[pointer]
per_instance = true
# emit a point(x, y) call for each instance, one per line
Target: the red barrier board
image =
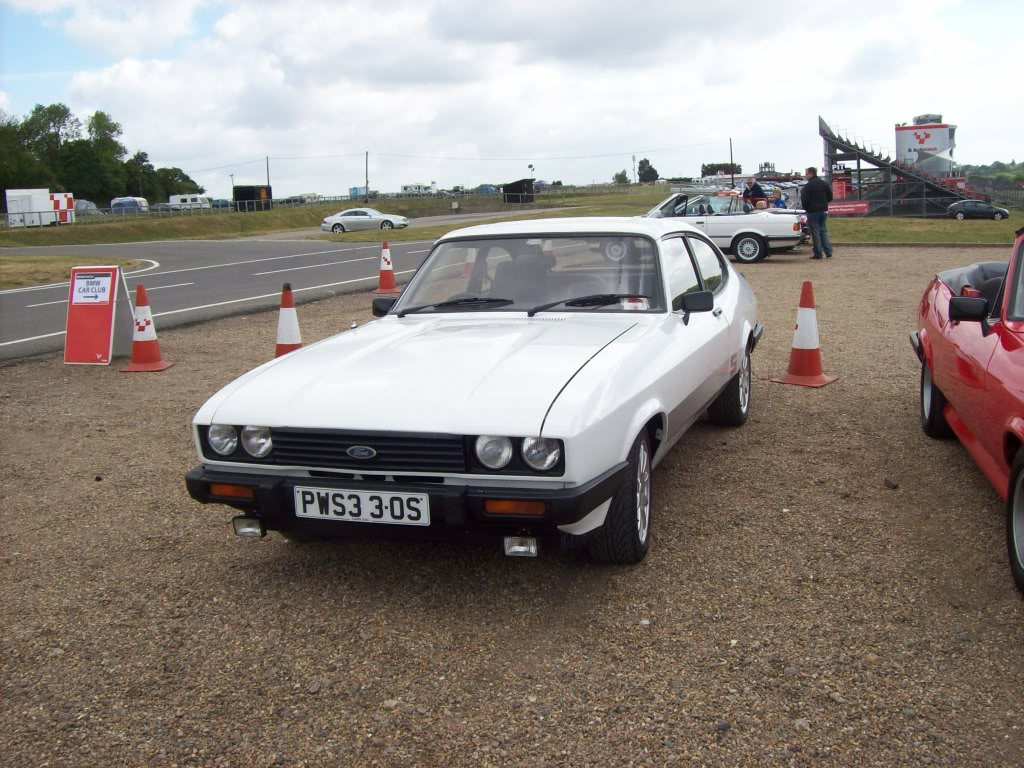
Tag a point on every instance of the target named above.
point(848, 208)
point(99, 312)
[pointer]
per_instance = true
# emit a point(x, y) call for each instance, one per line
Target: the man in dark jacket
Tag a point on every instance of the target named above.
point(814, 198)
point(754, 192)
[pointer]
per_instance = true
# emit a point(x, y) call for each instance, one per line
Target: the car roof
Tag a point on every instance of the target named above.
point(616, 225)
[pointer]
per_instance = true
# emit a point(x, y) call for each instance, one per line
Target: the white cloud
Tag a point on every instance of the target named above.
point(530, 79)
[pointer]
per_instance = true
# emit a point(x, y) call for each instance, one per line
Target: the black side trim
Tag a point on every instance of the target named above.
point(756, 335)
point(915, 342)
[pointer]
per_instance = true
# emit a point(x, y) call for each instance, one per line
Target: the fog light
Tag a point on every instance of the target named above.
point(248, 527)
point(520, 546)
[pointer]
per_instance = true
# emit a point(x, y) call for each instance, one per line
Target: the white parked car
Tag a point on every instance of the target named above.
point(523, 386)
point(734, 226)
point(362, 218)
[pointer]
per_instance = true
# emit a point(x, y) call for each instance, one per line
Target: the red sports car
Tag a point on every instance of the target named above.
point(970, 341)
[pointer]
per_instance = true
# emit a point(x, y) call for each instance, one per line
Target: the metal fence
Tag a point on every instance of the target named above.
point(435, 204)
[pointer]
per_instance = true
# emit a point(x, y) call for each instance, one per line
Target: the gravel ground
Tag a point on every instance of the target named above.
point(796, 608)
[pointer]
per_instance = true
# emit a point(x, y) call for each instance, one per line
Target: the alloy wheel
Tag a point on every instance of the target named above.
point(748, 249)
point(745, 382)
point(643, 492)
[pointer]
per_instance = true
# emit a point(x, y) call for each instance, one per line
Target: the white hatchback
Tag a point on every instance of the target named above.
point(524, 385)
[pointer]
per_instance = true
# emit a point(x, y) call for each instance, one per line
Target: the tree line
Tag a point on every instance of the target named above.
point(52, 148)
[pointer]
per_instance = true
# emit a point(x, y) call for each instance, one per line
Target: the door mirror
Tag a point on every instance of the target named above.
point(698, 301)
point(968, 308)
point(383, 304)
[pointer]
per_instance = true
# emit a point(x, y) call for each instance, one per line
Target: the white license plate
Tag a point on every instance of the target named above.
point(362, 506)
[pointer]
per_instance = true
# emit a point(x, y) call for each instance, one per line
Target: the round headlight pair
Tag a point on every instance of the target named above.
point(223, 438)
point(540, 453)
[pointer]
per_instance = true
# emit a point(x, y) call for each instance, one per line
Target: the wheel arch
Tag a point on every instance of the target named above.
point(650, 418)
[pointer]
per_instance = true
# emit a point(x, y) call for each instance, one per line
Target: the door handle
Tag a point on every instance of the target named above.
point(717, 312)
point(699, 222)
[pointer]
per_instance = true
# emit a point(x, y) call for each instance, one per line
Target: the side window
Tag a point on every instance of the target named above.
point(679, 272)
point(710, 266)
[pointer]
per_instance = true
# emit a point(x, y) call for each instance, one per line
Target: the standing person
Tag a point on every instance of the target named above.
point(754, 192)
point(815, 197)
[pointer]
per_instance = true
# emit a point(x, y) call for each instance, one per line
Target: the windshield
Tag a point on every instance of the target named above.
point(1017, 305)
point(700, 205)
point(528, 272)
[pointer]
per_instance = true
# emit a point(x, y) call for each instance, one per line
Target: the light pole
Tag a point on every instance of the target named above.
point(530, 166)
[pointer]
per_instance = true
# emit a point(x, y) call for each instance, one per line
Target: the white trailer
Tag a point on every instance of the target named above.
point(30, 208)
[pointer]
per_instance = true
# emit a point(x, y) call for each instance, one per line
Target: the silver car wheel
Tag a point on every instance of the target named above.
point(998, 217)
point(387, 225)
point(337, 229)
point(961, 215)
point(1017, 520)
point(643, 492)
point(745, 382)
point(748, 249)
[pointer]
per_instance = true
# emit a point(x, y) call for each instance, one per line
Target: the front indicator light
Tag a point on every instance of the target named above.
point(517, 508)
point(256, 441)
point(541, 453)
point(223, 438)
point(494, 452)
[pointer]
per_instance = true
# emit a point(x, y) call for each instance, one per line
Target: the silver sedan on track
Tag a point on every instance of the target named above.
point(362, 218)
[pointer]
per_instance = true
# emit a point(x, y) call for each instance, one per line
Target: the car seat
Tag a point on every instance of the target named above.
point(523, 279)
point(989, 291)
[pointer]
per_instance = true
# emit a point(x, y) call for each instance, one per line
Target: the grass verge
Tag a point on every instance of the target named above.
point(18, 271)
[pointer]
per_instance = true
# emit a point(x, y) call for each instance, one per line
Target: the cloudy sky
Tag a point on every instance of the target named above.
point(464, 92)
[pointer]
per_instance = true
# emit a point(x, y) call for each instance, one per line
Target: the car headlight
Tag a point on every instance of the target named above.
point(494, 452)
point(256, 441)
point(541, 453)
point(223, 438)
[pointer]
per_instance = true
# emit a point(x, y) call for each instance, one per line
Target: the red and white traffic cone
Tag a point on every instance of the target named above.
point(288, 337)
point(805, 356)
point(386, 279)
point(145, 347)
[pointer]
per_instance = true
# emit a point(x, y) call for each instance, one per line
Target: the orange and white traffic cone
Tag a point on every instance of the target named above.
point(805, 356)
point(145, 347)
point(386, 279)
point(288, 337)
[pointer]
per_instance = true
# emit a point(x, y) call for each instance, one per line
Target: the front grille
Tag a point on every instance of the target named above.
point(395, 452)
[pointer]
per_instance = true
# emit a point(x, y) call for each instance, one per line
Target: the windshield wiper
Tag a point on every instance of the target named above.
point(467, 301)
point(594, 300)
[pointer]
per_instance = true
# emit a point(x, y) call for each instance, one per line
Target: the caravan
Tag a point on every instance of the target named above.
point(186, 202)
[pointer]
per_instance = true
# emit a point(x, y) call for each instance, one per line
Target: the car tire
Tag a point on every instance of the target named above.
point(749, 248)
point(997, 216)
point(732, 406)
point(1015, 520)
point(933, 405)
point(625, 536)
point(338, 229)
point(386, 225)
point(960, 215)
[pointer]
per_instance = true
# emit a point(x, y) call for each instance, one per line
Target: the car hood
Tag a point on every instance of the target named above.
point(456, 374)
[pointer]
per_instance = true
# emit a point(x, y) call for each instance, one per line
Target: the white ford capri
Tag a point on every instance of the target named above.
point(523, 387)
